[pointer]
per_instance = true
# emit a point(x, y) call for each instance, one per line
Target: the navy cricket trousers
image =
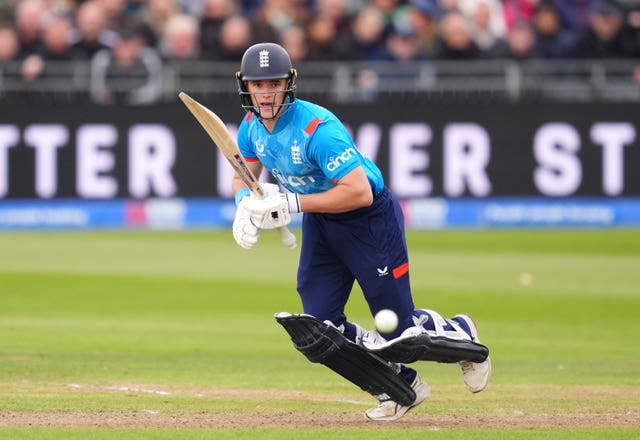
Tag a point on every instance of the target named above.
point(367, 245)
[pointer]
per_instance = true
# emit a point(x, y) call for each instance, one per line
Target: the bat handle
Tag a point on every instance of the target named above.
point(288, 239)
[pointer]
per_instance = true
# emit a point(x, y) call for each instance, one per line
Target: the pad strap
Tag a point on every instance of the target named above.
point(439, 324)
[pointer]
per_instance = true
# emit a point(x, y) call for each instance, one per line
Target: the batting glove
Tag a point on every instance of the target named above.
point(293, 200)
point(244, 231)
point(269, 213)
point(270, 189)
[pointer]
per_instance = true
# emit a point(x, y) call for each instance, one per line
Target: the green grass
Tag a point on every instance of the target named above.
point(182, 322)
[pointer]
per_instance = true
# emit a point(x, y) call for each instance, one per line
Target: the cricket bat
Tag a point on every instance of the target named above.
point(217, 131)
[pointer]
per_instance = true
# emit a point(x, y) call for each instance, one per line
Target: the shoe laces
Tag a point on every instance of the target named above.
point(388, 406)
point(466, 366)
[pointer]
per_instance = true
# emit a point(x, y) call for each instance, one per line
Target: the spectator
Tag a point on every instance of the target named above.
point(29, 17)
point(518, 11)
point(392, 11)
point(335, 12)
point(455, 38)
point(191, 7)
point(55, 67)
point(365, 38)
point(248, 7)
point(520, 44)
point(604, 38)
point(487, 24)
point(9, 45)
point(388, 7)
point(179, 41)
point(57, 39)
point(49, 64)
point(214, 14)
point(235, 38)
point(114, 11)
point(25, 70)
point(632, 29)
point(155, 16)
point(552, 40)
point(403, 45)
point(6, 12)
point(274, 16)
point(328, 23)
point(489, 19)
point(423, 18)
point(322, 33)
point(91, 34)
point(129, 73)
point(294, 41)
point(575, 14)
point(448, 6)
point(133, 8)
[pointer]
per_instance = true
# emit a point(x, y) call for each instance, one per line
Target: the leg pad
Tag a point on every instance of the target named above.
point(423, 346)
point(325, 344)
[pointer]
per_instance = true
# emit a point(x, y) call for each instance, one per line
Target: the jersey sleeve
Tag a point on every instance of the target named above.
point(333, 150)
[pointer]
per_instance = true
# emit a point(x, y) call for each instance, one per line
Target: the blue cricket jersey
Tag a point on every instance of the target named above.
point(309, 150)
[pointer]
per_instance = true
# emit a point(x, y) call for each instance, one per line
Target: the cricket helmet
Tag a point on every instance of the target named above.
point(265, 61)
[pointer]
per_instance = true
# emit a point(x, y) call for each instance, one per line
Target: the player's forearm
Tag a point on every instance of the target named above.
point(236, 184)
point(353, 191)
point(338, 199)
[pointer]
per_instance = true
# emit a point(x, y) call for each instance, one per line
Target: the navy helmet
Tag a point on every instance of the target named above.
point(265, 61)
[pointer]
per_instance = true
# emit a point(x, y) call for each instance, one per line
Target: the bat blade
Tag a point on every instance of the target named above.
point(217, 131)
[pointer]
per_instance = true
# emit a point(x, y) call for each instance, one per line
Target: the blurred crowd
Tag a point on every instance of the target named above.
point(130, 38)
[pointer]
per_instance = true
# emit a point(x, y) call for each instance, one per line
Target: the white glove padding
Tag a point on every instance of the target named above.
point(270, 189)
point(293, 199)
point(269, 213)
point(245, 232)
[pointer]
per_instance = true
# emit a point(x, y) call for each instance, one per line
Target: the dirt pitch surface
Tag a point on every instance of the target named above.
point(592, 413)
point(308, 420)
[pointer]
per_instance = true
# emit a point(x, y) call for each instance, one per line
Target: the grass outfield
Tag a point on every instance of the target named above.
point(171, 335)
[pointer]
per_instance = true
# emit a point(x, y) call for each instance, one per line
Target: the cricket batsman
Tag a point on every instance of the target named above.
point(352, 230)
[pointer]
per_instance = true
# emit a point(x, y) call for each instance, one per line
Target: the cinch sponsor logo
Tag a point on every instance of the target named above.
point(335, 162)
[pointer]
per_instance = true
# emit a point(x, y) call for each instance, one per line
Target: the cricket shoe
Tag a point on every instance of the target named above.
point(388, 410)
point(475, 375)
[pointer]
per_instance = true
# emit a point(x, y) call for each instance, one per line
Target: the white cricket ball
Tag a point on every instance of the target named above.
point(526, 279)
point(386, 321)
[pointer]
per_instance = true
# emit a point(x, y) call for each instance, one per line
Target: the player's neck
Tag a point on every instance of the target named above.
point(270, 124)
